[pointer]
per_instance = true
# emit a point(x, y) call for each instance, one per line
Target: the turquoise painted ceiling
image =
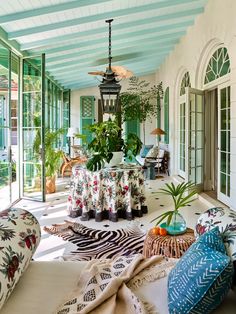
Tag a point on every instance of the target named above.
point(74, 35)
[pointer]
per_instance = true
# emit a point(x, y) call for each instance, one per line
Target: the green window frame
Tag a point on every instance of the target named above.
point(132, 126)
point(66, 118)
point(87, 115)
point(166, 115)
point(185, 83)
point(159, 115)
point(218, 66)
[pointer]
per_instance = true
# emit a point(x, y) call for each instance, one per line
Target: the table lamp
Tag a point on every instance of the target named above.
point(72, 131)
point(158, 132)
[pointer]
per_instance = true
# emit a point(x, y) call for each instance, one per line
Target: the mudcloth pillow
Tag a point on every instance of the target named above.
point(202, 277)
point(19, 238)
point(225, 220)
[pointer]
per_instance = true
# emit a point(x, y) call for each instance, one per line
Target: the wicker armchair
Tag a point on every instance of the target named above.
point(69, 162)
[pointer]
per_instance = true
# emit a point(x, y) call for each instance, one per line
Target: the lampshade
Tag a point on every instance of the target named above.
point(158, 131)
point(72, 131)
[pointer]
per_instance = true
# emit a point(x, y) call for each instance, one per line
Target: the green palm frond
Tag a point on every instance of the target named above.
point(182, 195)
point(162, 216)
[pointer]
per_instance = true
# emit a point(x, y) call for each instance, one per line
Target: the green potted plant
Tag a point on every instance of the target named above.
point(182, 195)
point(52, 156)
point(107, 140)
point(140, 101)
point(132, 146)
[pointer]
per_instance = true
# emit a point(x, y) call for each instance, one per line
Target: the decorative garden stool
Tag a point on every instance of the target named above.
point(169, 246)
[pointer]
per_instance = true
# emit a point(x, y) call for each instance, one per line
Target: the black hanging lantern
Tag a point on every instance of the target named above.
point(110, 87)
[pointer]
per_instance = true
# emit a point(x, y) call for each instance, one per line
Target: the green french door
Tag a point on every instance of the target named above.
point(9, 185)
point(5, 129)
point(33, 122)
point(195, 137)
point(223, 188)
point(132, 126)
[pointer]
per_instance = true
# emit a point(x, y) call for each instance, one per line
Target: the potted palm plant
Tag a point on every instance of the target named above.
point(182, 195)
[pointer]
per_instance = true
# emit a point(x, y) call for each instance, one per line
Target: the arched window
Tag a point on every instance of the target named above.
point(166, 115)
point(185, 83)
point(218, 66)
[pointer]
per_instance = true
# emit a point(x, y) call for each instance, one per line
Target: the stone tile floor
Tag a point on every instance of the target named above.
point(54, 211)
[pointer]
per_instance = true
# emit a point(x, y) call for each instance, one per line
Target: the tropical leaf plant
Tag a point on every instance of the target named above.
point(182, 195)
point(106, 140)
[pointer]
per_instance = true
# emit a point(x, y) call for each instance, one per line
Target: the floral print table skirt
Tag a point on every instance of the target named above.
point(107, 194)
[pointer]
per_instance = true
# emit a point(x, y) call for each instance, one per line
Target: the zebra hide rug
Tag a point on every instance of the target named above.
point(99, 244)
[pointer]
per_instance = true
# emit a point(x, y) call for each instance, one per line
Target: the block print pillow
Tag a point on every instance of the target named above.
point(19, 238)
point(201, 279)
point(153, 152)
point(225, 220)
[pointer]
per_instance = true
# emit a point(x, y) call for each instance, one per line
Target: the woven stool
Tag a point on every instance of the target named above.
point(169, 245)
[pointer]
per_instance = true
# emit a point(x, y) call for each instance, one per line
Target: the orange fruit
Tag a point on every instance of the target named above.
point(155, 230)
point(163, 232)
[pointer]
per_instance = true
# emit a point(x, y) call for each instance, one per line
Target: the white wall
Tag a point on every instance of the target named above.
point(215, 27)
point(94, 91)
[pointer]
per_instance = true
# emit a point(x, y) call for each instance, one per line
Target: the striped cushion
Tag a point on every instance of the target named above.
point(201, 278)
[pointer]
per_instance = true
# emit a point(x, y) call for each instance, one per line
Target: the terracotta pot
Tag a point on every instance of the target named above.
point(50, 185)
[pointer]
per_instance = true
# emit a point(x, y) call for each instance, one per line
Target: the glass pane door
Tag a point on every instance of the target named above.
point(66, 119)
point(182, 138)
point(195, 151)
point(5, 131)
point(33, 122)
point(9, 71)
point(223, 192)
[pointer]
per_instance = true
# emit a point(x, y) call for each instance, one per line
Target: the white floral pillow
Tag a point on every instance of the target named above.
point(19, 238)
point(225, 219)
point(153, 153)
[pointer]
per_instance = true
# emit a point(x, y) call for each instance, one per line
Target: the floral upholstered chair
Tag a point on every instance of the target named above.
point(225, 219)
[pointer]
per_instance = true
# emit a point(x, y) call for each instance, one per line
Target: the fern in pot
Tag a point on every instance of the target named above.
point(182, 195)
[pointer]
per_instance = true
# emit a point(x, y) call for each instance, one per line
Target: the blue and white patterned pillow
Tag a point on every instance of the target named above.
point(202, 277)
point(144, 150)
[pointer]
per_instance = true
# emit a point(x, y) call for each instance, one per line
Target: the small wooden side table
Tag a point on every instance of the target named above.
point(169, 245)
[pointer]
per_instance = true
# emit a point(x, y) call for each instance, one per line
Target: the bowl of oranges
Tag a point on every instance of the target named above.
point(157, 230)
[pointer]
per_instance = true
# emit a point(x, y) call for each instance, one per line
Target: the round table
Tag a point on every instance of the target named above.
point(169, 245)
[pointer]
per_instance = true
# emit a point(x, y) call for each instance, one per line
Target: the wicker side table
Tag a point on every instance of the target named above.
point(170, 246)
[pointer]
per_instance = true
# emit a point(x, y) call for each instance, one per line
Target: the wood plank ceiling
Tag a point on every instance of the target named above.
point(74, 35)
